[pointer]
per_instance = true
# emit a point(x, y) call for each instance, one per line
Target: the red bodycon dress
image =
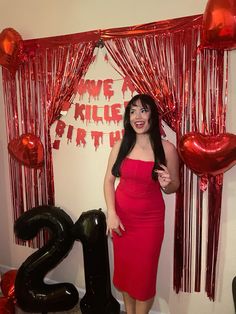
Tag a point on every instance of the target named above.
point(140, 206)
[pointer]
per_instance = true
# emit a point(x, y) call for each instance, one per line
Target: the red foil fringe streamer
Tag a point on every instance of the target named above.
point(33, 99)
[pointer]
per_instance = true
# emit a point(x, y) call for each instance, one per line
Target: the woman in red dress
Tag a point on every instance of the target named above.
point(146, 165)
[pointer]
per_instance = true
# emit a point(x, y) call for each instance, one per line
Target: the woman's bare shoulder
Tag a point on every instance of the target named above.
point(168, 146)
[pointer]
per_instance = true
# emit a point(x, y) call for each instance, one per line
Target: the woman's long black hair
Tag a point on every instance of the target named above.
point(129, 138)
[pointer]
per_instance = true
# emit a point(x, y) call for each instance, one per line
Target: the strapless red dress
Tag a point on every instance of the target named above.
point(140, 206)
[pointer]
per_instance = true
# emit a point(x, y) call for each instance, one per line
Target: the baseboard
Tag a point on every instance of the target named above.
point(4, 269)
point(81, 291)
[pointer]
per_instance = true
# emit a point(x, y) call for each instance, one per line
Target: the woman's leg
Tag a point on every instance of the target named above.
point(129, 303)
point(143, 307)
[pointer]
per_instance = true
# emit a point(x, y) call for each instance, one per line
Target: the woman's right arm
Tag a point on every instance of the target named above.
point(113, 221)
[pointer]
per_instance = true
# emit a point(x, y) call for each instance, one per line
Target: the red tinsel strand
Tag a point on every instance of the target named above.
point(215, 189)
point(198, 248)
point(190, 244)
point(214, 199)
point(186, 233)
point(179, 237)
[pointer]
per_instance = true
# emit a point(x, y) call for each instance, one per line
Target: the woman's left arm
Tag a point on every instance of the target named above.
point(169, 176)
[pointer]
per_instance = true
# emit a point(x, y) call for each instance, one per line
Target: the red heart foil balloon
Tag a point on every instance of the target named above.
point(8, 283)
point(219, 24)
point(208, 154)
point(28, 150)
point(10, 49)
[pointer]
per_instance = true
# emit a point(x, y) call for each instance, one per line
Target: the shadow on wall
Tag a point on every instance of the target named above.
point(234, 292)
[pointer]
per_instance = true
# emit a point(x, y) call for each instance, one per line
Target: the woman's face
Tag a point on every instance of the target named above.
point(140, 117)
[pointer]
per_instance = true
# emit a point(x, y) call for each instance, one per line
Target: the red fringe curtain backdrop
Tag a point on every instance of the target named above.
point(33, 100)
point(190, 86)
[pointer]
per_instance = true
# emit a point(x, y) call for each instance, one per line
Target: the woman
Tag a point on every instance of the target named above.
point(145, 164)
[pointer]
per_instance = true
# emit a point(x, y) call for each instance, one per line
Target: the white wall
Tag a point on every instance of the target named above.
point(79, 172)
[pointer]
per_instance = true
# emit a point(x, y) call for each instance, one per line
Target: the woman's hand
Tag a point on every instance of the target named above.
point(163, 176)
point(114, 224)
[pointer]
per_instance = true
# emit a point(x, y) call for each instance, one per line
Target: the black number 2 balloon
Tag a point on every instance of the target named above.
point(32, 294)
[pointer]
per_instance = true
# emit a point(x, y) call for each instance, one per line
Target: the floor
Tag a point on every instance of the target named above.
point(74, 310)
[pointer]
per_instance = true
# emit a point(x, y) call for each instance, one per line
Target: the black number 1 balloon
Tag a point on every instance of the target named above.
point(32, 294)
point(90, 229)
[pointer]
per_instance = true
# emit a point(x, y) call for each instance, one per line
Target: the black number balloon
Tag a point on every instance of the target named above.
point(31, 293)
point(90, 229)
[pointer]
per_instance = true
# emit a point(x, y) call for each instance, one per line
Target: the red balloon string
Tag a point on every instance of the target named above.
point(179, 236)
